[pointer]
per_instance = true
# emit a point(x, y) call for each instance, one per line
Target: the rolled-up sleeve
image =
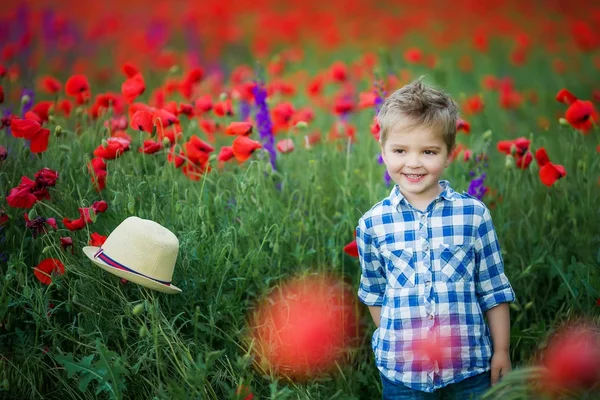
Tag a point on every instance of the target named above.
point(491, 284)
point(372, 280)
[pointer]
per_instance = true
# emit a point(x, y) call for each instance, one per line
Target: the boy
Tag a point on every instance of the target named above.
point(431, 263)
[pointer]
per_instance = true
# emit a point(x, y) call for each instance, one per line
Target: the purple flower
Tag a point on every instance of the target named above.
point(263, 120)
point(477, 187)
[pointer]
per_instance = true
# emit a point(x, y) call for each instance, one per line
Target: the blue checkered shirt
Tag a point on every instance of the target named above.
point(434, 273)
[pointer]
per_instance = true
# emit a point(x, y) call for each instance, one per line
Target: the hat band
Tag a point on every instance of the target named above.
point(102, 255)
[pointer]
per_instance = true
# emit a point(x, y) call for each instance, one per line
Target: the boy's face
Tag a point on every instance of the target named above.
point(415, 159)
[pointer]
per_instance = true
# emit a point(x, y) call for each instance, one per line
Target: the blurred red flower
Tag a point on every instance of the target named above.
point(305, 326)
point(46, 268)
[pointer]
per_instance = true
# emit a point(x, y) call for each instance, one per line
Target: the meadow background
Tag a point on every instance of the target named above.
point(246, 227)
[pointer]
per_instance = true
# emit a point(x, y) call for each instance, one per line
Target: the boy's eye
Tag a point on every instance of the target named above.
point(429, 152)
point(398, 151)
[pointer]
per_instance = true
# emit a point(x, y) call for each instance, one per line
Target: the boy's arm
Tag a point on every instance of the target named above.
point(376, 314)
point(499, 322)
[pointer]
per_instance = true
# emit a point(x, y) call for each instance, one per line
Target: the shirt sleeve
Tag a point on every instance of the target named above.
point(372, 280)
point(491, 284)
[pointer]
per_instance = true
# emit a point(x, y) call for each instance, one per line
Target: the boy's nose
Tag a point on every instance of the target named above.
point(413, 162)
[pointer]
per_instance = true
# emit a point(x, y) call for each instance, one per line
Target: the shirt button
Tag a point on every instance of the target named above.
point(427, 283)
point(430, 316)
point(423, 217)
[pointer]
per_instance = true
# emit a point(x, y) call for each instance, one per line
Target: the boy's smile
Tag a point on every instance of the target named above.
point(415, 159)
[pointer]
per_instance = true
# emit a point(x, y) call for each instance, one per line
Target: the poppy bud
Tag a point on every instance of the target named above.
point(513, 149)
point(143, 331)
point(58, 130)
point(529, 305)
point(25, 99)
point(563, 121)
point(5, 384)
point(46, 249)
point(223, 96)
point(487, 134)
point(173, 70)
point(581, 165)
point(51, 118)
point(104, 143)
point(301, 125)
point(138, 309)
point(509, 162)
point(515, 306)
point(166, 142)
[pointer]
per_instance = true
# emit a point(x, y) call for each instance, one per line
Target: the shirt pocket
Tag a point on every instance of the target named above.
point(457, 263)
point(400, 269)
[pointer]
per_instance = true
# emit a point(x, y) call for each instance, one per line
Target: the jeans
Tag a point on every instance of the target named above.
point(470, 388)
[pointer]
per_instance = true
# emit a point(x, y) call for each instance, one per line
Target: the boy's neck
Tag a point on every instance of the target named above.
point(421, 203)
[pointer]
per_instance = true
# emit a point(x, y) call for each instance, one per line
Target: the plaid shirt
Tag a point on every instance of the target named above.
point(434, 274)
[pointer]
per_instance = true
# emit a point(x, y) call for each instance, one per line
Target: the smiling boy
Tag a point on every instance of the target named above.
point(431, 263)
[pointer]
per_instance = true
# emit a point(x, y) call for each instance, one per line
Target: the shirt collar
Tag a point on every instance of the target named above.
point(396, 196)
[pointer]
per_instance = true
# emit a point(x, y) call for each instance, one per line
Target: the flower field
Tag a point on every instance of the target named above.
point(248, 130)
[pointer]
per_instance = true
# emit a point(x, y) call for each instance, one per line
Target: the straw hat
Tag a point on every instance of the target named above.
point(140, 251)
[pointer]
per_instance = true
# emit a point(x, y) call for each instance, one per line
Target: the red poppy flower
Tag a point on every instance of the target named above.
point(285, 146)
point(541, 157)
point(142, 121)
point(46, 268)
point(99, 206)
point(130, 70)
point(566, 97)
point(165, 117)
point(150, 147)
point(282, 113)
point(224, 108)
point(50, 85)
point(22, 196)
point(366, 100)
point(204, 104)
point(351, 249)
point(517, 146)
point(413, 56)
point(114, 147)
point(77, 85)
point(198, 151)
point(133, 87)
point(473, 105)
point(343, 105)
point(96, 239)
point(225, 154)
point(176, 159)
point(580, 115)
point(42, 109)
point(463, 126)
point(239, 128)
point(46, 177)
point(571, 360)
point(375, 128)
point(243, 147)
point(66, 242)
point(65, 107)
point(32, 131)
point(338, 72)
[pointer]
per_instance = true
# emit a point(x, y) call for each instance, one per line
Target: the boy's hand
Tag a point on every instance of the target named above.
point(500, 365)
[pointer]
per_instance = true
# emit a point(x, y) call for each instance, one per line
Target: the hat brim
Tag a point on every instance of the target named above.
point(130, 276)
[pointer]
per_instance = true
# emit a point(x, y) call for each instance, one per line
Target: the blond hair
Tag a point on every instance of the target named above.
point(420, 105)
